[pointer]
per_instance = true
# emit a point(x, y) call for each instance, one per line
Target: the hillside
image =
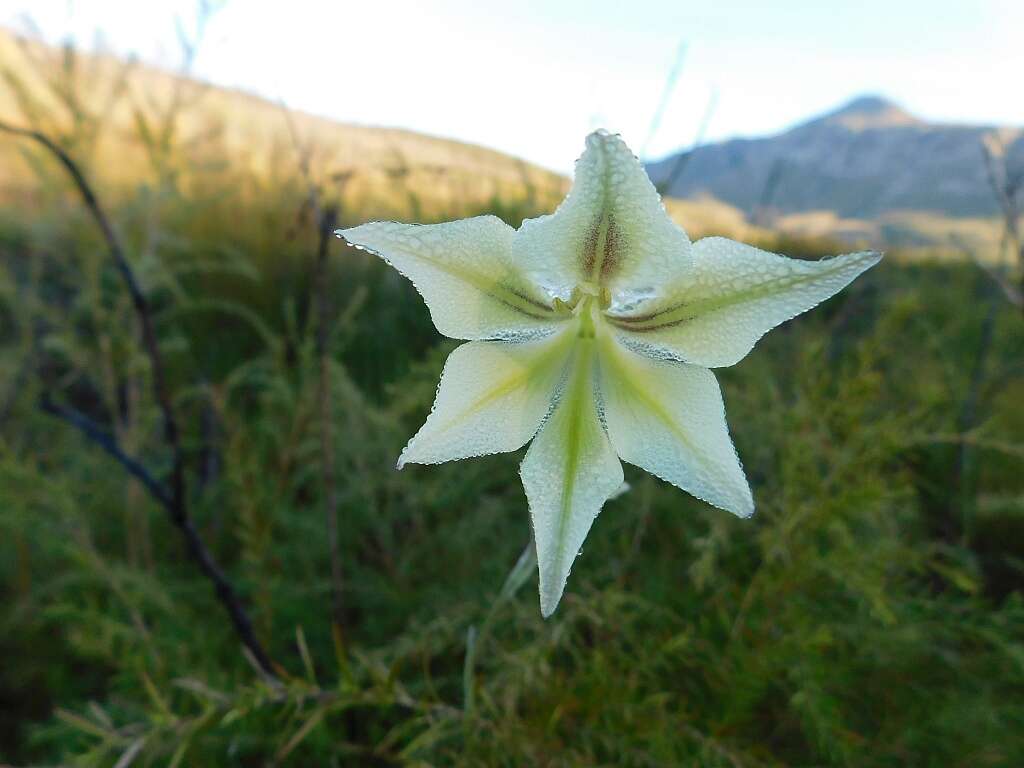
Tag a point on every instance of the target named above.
point(381, 169)
point(378, 172)
point(861, 161)
point(867, 173)
point(867, 170)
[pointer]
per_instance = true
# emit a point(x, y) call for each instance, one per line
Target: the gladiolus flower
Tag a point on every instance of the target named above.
point(592, 332)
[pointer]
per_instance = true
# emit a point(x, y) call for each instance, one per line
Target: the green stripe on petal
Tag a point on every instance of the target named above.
point(568, 473)
point(611, 230)
point(713, 314)
point(465, 273)
point(492, 397)
point(669, 419)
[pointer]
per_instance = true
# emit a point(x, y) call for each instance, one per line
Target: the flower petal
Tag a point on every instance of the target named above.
point(668, 418)
point(465, 273)
point(714, 314)
point(611, 230)
point(568, 473)
point(492, 397)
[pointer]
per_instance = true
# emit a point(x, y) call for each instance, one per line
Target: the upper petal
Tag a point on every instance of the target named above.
point(735, 293)
point(668, 418)
point(465, 273)
point(491, 399)
point(611, 229)
point(568, 473)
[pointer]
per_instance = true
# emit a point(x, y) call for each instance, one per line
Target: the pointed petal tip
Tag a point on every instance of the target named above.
point(356, 236)
point(346, 235)
point(737, 503)
point(604, 136)
point(872, 256)
point(744, 507)
point(865, 260)
point(403, 457)
point(860, 261)
point(550, 594)
point(409, 455)
point(548, 605)
point(620, 491)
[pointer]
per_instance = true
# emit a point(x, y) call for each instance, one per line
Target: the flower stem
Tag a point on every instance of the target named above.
point(525, 565)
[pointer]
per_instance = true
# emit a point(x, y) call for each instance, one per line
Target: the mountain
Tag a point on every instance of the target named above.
point(376, 172)
point(869, 172)
point(863, 161)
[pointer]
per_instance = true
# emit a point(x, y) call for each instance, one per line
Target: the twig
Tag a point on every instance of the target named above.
point(176, 502)
point(761, 214)
point(966, 422)
point(1014, 295)
point(328, 220)
point(683, 158)
point(525, 565)
point(666, 95)
point(197, 549)
point(105, 440)
point(1006, 186)
point(139, 301)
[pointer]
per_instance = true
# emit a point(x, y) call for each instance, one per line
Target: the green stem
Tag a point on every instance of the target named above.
point(525, 565)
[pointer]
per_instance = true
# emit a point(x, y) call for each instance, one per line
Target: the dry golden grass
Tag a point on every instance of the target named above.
point(916, 233)
point(378, 172)
point(111, 113)
point(125, 104)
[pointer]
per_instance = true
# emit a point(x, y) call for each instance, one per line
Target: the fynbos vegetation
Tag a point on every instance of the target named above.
point(190, 368)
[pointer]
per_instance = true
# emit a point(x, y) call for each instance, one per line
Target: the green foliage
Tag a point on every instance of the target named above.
point(869, 614)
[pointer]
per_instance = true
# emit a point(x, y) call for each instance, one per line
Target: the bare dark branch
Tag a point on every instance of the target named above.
point(176, 502)
point(326, 218)
point(105, 440)
point(139, 301)
point(328, 221)
point(1010, 291)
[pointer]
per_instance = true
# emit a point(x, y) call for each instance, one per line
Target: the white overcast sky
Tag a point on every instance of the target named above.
point(531, 77)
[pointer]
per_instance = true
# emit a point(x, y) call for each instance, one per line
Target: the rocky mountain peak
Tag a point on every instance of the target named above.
point(870, 111)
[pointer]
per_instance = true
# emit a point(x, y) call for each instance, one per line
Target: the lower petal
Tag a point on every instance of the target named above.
point(491, 399)
point(569, 472)
point(668, 418)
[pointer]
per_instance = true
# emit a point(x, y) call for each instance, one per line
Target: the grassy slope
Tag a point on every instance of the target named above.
point(251, 132)
point(378, 172)
point(438, 177)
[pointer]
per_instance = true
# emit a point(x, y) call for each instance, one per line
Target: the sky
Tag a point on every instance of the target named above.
point(532, 77)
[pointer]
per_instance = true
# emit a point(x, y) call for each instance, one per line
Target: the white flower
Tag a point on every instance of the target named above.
point(591, 331)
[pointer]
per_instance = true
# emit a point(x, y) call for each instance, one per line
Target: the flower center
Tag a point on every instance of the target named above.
point(582, 293)
point(587, 302)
